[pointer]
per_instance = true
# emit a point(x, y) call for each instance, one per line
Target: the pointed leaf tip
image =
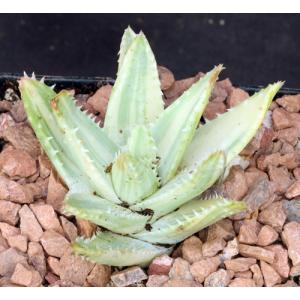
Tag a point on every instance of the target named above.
point(239, 125)
point(179, 122)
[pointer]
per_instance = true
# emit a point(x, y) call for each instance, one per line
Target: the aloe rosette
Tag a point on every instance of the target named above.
point(140, 176)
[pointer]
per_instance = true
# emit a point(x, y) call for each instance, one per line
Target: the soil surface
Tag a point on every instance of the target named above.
point(260, 247)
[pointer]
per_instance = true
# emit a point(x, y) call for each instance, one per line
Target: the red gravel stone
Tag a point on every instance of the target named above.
point(166, 78)
point(74, 269)
point(180, 270)
point(290, 236)
point(231, 250)
point(29, 224)
point(290, 103)
point(219, 278)
point(9, 259)
point(281, 119)
point(26, 276)
point(192, 249)
point(212, 247)
point(293, 190)
point(236, 96)
point(46, 217)
point(248, 232)
point(239, 264)
point(267, 236)
point(128, 276)
point(244, 274)
point(160, 265)
point(100, 99)
point(85, 228)
point(257, 252)
point(36, 257)
point(281, 263)
point(236, 184)
point(271, 277)
point(54, 265)
point(99, 276)
point(17, 163)
point(18, 242)
point(257, 275)
point(181, 283)
point(242, 282)
point(201, 269)
point(54, 243)
point(221, 230)
point(281, 177)
point(8, 230)
point(273, 216)
point(156, 280)
point(15, 192)
point(69, 228)
point(22, 137)
point(9, 212)
point(213, 109)
point(56, 192)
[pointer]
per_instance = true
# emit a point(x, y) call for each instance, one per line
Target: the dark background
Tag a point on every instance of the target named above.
point(255, 48)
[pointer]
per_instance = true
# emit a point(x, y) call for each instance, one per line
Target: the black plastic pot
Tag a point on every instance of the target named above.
point(86, 85)
point(83, 85)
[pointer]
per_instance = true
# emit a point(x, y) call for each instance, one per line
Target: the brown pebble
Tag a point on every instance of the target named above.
point(267, 236)
point(290, 237)
point(29, 224)
point(212, 247)
point(17, 163)
point(26, 276)
point(293, 190)
point(160, 265)
point(54, 243)
point(242, 282)
point(99, 276)
point(257, 275)
point(9, 212)
point(156, 280)
point(201, 269)
point(239, 264)
point(273, 216)
point(128, 276)
point(18, 242)
point(74, 269)
point(236, 96)
point(271, 277)
point(166, 78)
point(256, 252)
point(180, 270)
point(219, 278)
point(290, 102)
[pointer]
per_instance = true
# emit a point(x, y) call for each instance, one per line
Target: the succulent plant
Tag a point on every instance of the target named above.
point(140, 176)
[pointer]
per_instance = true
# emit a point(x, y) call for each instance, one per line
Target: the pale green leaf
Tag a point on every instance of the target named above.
point(176, 126)
point(232, 131)
point(142, 145)
point(127, 39)
point(117, 250)
point(133, 178)
point(188, 184)
point(104, 213)
point(136, 98)
point(189, 219)
point(54, 111)
point(35, 95)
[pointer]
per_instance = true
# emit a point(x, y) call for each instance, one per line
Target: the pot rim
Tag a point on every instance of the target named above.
point(98, 81)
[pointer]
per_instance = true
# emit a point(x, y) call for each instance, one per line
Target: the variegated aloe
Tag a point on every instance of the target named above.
point(139, 176)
